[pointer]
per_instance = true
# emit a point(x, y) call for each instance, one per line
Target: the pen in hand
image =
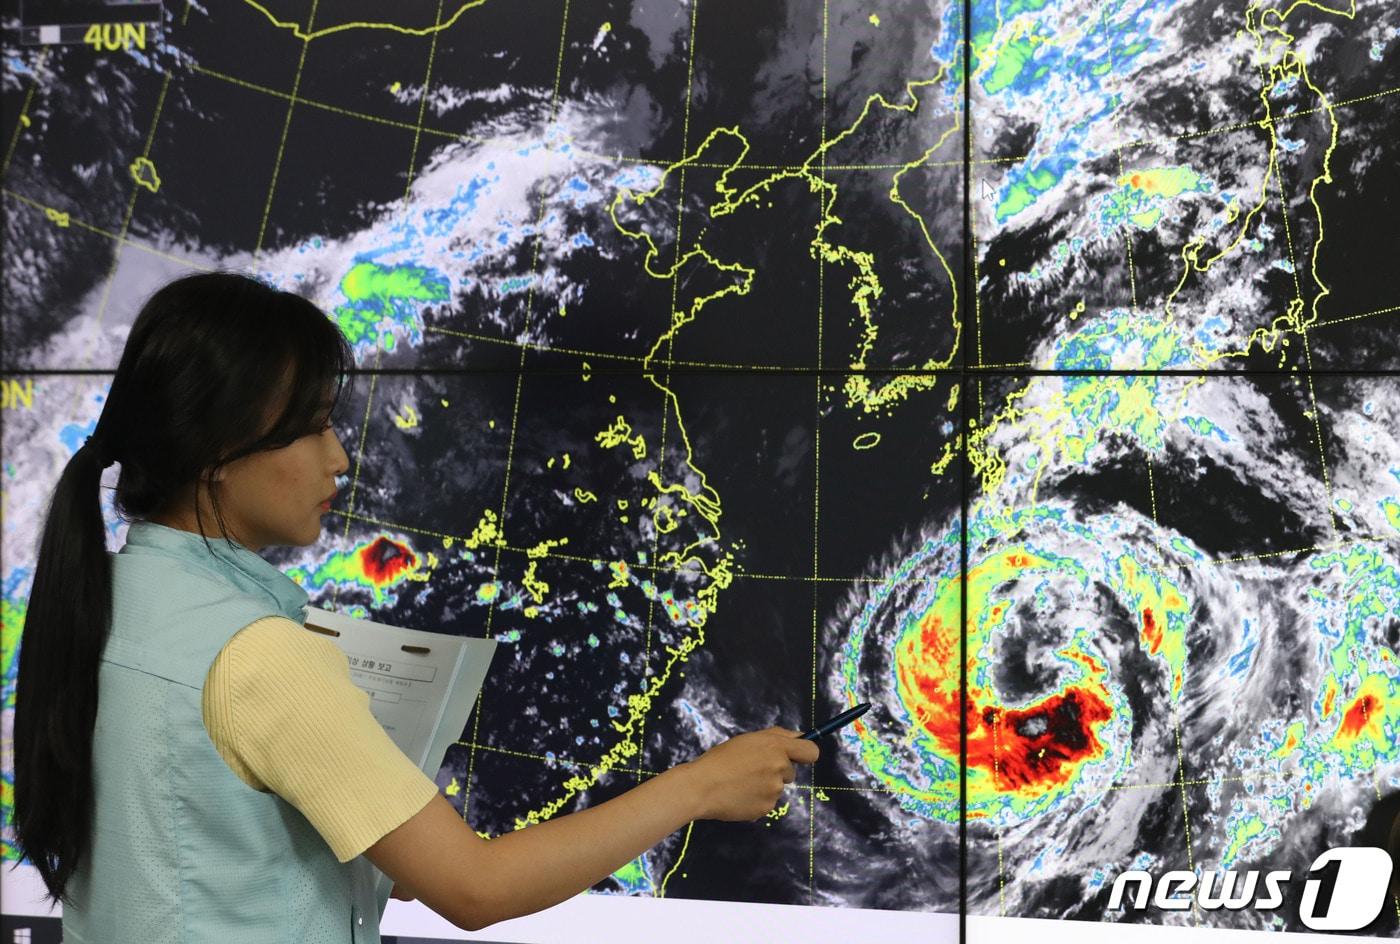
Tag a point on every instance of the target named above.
point(840, 721)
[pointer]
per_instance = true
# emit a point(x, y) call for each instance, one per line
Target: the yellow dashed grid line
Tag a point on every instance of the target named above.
point(766, 167)
point(136, 189)
point(1185, 804)
point(1369, 314)
point(666, 399)
point(1118, 153)
point(515, 406)
point(1307, 348)
point(22, 121)
point(1180, 783)
point(282, 143)
point(1317, 548)
point(1152, 489)
point(52, 212)
point(792, 578)
point(378, 351)
point(817, 463)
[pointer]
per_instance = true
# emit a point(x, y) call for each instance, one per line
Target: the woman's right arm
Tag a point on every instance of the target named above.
point(472, 882)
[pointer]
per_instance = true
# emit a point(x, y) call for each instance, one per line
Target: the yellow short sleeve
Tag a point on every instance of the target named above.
point(283, 713)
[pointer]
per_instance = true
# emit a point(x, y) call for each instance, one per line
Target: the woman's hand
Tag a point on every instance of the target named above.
point(474, 883)
point(742, 778)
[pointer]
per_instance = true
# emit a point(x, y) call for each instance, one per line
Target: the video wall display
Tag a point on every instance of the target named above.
point(1027, 368)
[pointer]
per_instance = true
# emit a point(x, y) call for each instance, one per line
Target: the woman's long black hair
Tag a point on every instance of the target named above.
point(209, 360)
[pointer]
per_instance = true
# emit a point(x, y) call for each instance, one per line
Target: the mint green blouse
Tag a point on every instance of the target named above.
point(183, 851)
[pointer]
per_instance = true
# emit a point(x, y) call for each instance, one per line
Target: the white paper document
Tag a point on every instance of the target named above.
point(422, 686)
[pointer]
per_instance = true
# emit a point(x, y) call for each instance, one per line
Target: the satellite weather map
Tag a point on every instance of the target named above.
point(1027, 368)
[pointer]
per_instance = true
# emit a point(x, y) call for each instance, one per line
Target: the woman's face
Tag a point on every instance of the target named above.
point(278, 496)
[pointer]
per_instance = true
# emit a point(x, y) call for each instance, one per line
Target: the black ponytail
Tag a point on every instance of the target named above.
point(71, 602)
point(209, 360)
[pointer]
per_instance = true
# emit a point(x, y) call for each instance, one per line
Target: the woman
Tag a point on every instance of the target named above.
point(191, 765)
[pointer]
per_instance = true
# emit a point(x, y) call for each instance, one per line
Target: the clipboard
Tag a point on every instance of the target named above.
point(422, 687)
